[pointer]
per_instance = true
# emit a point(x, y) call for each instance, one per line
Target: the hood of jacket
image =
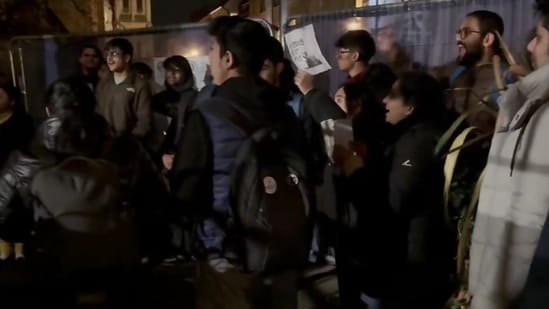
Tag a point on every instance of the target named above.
point(523, 98)
point(187, 85)
point(520, 102)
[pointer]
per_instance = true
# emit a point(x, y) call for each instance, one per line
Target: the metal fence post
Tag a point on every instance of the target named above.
point(284, 6)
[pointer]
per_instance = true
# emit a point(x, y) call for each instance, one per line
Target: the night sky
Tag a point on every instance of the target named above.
point(171, 12)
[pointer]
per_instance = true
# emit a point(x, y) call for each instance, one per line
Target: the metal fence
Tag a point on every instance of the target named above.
point(422, 30)
point(37, 61)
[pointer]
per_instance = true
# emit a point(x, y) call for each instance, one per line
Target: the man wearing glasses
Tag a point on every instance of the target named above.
point(474, 79)
point(123, 99)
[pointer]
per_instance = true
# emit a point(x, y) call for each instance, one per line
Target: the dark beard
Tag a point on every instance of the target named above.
point(471, 57)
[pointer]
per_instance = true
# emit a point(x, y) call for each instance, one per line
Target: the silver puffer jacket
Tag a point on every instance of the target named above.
point(44, 151)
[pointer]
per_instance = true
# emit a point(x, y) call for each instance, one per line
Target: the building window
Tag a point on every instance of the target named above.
point(125, 6)
point(140, 6)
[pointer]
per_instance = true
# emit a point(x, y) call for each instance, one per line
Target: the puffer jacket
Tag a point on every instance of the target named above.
point(142, 184)
point(415, 196)
point(44, 151)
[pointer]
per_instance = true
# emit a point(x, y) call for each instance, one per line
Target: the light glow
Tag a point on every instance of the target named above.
point(355, 23)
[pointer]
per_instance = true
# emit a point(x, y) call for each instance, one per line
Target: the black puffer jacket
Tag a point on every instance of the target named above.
point(416, 183)
point(47, 150)
point(91, 137)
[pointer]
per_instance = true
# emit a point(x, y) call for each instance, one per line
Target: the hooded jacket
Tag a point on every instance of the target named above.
point(209, 146)
point(169, 110)
point(513, 203)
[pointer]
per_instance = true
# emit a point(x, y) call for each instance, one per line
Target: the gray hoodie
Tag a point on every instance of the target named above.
point(514, 199)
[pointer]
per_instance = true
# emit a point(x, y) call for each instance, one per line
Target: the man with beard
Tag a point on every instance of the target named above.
point(477, 42)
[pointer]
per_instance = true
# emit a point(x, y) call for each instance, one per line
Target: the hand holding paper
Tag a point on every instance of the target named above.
point(304, 81)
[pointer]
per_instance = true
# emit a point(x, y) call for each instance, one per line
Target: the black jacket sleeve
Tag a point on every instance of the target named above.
point(318, 107)
point(168, 146)
point(321, 107)
point(191, 179)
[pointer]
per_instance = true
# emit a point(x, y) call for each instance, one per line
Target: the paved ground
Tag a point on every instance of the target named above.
point(168, 287)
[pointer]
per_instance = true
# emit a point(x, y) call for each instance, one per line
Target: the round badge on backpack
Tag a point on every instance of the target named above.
point(293, 180)
point(270, 185)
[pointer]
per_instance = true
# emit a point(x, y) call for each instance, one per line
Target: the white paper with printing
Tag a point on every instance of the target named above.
point(305, 52)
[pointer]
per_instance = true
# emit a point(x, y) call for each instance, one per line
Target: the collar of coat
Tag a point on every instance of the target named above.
point(522, 99)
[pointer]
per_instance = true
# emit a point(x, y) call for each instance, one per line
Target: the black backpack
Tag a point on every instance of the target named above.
point(82, 222)
point(270, 197)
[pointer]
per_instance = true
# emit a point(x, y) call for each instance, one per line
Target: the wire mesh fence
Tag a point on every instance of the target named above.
point(412, 33)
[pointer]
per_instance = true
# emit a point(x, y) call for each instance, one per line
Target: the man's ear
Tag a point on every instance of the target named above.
point(489, 39)
point(127, 58)
point(355, 56)
point(410, 110)
point(227, 60)
point(48, 113)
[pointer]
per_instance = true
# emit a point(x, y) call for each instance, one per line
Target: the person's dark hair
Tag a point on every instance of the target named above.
point(361, 40)
point(120, 43)
point(14, 94)
point(489, 22)
point(425, 94)
point(69, 96)
point(81, 131)
point(142, 69)
point(372, 89)
point(246, 39)
point(367, 96)
point(380, 77)
point(275, 51)
point(542, 9)
point(90, 46)
point(369, 125)
point(181, 63)
point(287, 78)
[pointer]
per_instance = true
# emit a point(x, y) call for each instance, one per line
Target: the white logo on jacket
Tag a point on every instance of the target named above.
point(407, 163)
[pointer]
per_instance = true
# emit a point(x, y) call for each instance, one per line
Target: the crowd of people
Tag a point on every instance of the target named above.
point(253, 178)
